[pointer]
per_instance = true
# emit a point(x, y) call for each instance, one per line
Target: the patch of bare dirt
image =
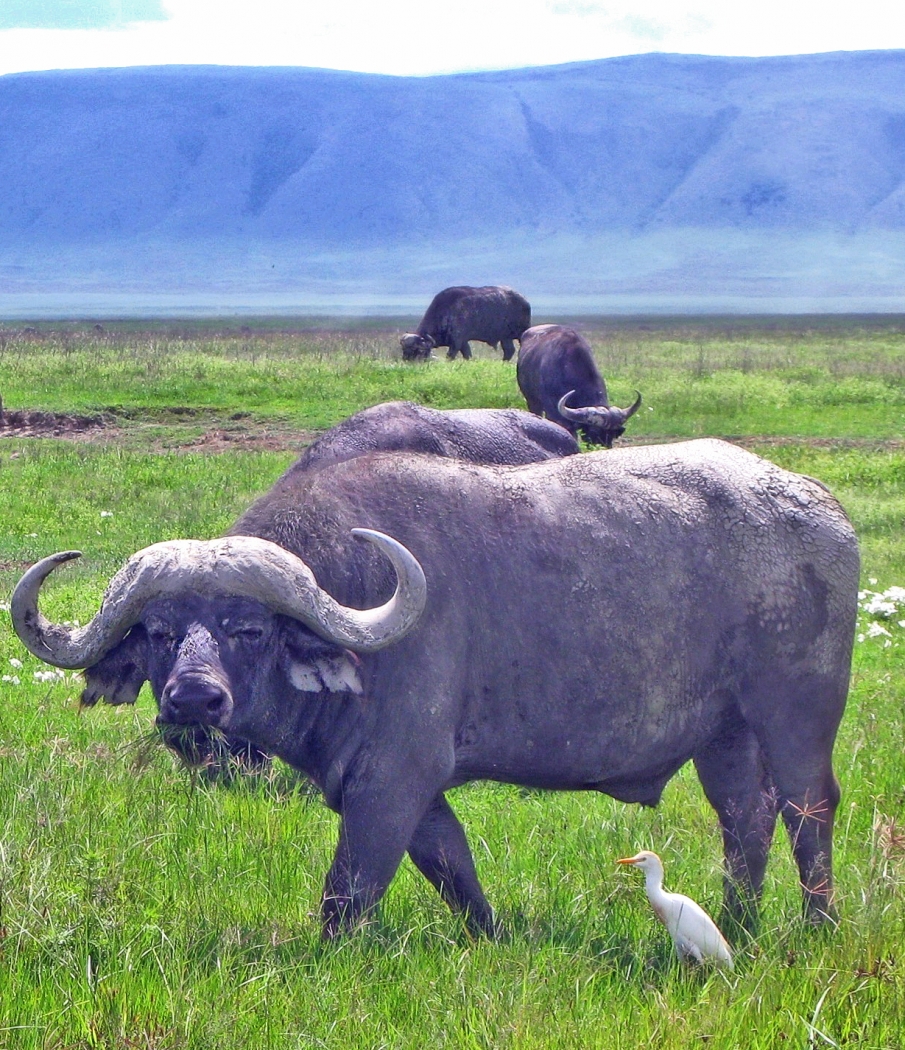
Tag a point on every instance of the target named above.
point(9, 566)
point(262, 441)
point(47, 424)
point(239, 432)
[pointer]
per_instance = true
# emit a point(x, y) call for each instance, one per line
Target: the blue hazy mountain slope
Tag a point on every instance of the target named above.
point(228, 162)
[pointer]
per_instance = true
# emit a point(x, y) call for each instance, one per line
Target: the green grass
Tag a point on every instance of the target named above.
point(142, 907)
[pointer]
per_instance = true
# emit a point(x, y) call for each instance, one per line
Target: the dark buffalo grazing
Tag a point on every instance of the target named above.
point(480, 435)
point(492, 315)
point(559, 379)
point(693, 602)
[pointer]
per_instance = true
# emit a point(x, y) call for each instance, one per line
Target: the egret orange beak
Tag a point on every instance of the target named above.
point(627, 860)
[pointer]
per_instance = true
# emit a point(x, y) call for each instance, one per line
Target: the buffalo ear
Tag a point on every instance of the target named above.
point(316, 666)
point(118, 677)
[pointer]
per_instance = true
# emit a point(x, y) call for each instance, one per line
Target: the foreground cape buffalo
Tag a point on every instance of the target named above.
point(611, 616)
point(559, 379)
point(493, 314)
point(480, 435)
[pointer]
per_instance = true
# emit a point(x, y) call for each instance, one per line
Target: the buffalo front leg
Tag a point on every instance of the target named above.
point(460, 347)
point(508, 346)
point(735, 780)
point(373, 838)
point(440, 851)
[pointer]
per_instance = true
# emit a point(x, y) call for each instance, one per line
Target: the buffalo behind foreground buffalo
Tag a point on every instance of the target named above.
point(559, 379)
point(693, 601)
point(492, 314)
point(506, 436)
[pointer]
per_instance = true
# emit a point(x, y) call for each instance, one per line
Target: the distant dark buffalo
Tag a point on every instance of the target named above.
point(555, 366)
point(480, 435)
point(492, 315)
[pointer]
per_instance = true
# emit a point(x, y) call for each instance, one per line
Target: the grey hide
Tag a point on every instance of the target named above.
point(609, 618)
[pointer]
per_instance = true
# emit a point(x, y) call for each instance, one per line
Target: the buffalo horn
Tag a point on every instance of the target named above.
point(239, 565)
point(603, 415)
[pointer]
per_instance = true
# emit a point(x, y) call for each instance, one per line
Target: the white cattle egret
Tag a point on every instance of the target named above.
point(693, 932)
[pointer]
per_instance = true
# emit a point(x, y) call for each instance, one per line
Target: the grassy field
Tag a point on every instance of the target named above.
point(141, 907)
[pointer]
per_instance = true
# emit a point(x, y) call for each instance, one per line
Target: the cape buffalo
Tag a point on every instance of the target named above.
point(493, 314)
point(693, 601)
point(556, 366)
point(505, 436)
point(479, 435)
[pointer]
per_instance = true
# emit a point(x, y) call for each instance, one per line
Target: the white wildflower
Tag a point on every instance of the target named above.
point(106, 513)
point(55, 675)
point(895, 594)
point(860, 637)
point(876, 630)
point(13, 679)
point(13, 662)
point(32, 535)
point(879, 606)
point(872, 580)
point(4, 606)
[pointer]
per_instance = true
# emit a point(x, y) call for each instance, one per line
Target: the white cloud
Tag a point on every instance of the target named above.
point(427, 36)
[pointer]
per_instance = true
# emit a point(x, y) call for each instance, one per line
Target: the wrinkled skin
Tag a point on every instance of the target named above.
point(494, 314)
point(554, 360)
point(479, 435)
point(692, 602)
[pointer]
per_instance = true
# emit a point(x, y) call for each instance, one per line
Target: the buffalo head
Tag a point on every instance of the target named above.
point(599, 425)
point(219, 628)
point(416, 347)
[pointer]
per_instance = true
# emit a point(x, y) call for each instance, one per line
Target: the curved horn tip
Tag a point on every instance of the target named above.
point(562, 401)
point(379, 539)
point(633, 408)
point(61, 557)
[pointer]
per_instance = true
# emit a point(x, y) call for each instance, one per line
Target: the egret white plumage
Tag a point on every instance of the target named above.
point(693, 932)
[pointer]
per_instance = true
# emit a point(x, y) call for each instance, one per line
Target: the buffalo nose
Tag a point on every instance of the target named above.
point(193, 699)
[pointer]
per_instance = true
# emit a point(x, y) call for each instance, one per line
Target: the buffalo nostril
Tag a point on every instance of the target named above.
point(215, 705)
point(193, 699)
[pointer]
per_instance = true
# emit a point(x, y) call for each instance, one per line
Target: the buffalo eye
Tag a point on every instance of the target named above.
point(160, 632)
point(250, 633)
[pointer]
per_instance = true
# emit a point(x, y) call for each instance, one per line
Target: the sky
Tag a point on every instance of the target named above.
point(421, 37)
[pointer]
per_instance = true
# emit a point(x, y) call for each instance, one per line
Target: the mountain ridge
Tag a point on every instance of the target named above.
point(459, 178)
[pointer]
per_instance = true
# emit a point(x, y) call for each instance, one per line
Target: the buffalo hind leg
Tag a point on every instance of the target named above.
point(508, 346)
point(798, 744)
point(441, 853)
point(736, 782)
point(808, 813)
